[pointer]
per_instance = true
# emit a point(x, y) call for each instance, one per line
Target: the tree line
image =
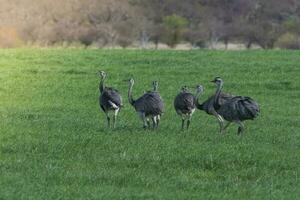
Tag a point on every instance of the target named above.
point(109, 23)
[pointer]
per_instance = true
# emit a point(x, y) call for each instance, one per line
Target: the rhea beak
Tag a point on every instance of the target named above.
point(213, 81)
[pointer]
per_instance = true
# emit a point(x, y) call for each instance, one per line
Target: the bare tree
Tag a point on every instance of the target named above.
point(124, 22)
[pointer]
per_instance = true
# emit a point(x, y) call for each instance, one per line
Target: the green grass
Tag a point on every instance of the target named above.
point(54, 143)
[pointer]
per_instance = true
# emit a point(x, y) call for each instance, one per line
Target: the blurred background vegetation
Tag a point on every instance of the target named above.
point(264, 24)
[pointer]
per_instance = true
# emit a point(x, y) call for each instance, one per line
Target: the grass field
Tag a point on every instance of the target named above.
point(54, 143)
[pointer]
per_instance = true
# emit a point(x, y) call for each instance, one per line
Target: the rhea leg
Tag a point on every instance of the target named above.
point(148, 123)
point(188, 121)
point(182, 123)
point(143, 118)
point(157, 120)
point(115, 117)
point(226, 126)
point(220, 120)
point(189, 115)
point(241, 127)
point(188, 124)
point(108, 119)
point(154, 122)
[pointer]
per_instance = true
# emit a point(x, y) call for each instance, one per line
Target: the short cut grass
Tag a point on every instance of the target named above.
point(54, 143)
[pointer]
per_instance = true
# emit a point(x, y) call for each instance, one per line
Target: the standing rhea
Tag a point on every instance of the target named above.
point(235, 109)
point(110, 100)
point(185, 104)
point(150, 105)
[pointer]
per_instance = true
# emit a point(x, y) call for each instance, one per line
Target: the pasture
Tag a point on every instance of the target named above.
point(54, 143)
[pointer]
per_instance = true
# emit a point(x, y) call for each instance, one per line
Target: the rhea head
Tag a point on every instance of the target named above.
point(102, 74)
point(155, 85)
point(199, 89)
point(131, 81)
point(184, 88)
point(218, 81)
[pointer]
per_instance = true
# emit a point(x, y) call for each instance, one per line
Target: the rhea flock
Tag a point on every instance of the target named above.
point(149, 106)
point(230, 108)
point(185, 104)
point(110, 100)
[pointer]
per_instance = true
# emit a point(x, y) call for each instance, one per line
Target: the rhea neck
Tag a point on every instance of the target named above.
point(218, 91)
point(101, 85)
point(198, 93)
point(130, 99)
point(155, 88)
point(197, 96)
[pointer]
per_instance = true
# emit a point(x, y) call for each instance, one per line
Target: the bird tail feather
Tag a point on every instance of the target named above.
point(248, 108)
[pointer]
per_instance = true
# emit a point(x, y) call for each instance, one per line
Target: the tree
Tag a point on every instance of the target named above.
point(124, 22)
point(174, 26)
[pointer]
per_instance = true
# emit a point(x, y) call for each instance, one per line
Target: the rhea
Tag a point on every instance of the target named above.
point(185, 104)
point(149, 106)
point(110, 100)
point(231, 108)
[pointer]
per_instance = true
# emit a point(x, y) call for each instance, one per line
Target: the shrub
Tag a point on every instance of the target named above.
point(201, 44)
point(288, 41)
point(174, 27)
point(9, 38)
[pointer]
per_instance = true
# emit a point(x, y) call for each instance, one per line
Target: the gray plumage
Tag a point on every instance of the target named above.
point(185, 104)
point(223, 98)
point(233, 109)
point(109, 99)
point(239, 108)
point(150, 105)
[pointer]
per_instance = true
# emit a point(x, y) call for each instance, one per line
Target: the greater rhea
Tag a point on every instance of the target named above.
point(231, 108)
point(185, 104)
point(150, 105)
point(110, 100)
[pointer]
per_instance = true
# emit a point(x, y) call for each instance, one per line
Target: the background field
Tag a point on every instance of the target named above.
point(54, 143)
